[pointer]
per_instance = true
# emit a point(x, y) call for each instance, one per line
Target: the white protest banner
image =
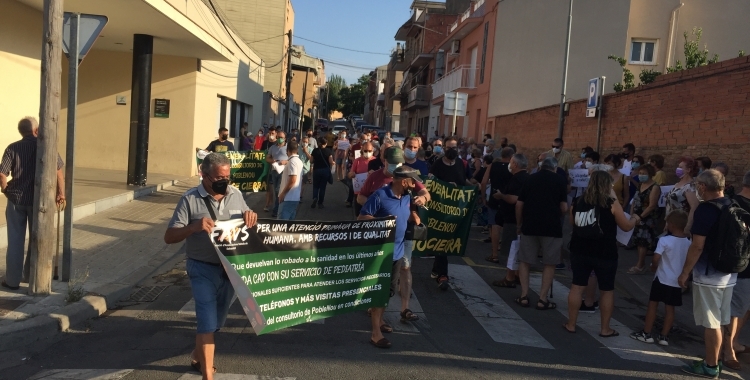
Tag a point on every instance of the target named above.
point(579, 177)
point(357, 153)
point(358, 181)
point(622, 236)
point(663, 197)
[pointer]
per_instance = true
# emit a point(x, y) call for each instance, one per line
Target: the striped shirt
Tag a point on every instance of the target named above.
point(19, 161)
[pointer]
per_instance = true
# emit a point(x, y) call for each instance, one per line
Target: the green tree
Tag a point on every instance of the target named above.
point(626, 74)
point(334, 85)
point(353, 97)
point(694, 55)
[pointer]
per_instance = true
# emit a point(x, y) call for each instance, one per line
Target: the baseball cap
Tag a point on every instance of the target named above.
point(407, 172)
point(394, 155)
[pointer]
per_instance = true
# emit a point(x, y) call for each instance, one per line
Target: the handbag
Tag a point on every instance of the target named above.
point(417, 232)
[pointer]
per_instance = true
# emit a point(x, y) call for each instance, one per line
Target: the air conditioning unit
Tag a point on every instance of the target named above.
point(455, 46)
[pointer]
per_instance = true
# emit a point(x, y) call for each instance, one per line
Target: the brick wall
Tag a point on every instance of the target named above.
point(699, 112)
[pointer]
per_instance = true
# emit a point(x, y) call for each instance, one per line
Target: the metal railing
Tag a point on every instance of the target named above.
point(458, 78)
point(419, 93)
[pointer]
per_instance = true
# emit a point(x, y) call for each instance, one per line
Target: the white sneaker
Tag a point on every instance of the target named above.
point(642, 336)
point(663, 340)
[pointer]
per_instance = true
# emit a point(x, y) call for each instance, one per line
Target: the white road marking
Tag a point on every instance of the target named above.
point(81, 374)
point(623, 346)
point(233, 376)
point(500, 321)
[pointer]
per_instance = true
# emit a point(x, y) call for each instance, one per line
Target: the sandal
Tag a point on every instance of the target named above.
point(197, 366)
point(565, 326)
point(636, 270)
point(492, 259)
point(549, 305)
point(386, 328)
point(732, 364)
point(408, 316)
point(523, 301)
point(383, 343)
point(614, 333)
point(504, 283)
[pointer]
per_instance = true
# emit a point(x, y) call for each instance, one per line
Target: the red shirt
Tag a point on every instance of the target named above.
point(259, 142)
point(359, 165)
point(378, 179)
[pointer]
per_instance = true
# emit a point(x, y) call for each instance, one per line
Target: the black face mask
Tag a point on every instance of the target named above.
point(220, 186)
point(224, 137)
point(503, 145)
point(451, 153)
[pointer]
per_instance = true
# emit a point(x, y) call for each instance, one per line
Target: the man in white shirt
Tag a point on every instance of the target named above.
point(291, 184)
point(628, 152)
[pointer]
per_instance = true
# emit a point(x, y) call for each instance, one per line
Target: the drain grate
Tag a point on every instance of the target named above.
point(147, 294)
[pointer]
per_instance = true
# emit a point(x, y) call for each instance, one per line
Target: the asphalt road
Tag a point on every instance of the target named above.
point(472, 331)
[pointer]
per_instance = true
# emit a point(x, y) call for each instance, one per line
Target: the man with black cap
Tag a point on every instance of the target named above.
point(393, 199)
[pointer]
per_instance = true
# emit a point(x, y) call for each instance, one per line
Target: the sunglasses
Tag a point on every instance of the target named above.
point(366, 151)
point(555, 146)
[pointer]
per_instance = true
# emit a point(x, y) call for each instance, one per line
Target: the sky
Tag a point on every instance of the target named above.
point(367, 25)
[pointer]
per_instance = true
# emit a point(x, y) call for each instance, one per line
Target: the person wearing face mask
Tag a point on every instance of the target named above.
point(621, 181)
point(636, 163)
point(341, 147)
point(646, 206)
point(563, 157)
point(259, 140)
point(222, 144)
point(304, 155)
point(394, 158)
point(448, 168)
point(497, 176)
point(277, 154)
point(393, 199)
point(312, 142)
point(657, 161)
point(359, 166)
point(582, 163)
point(411, 148)
point(628, 153)
point(378, 162)
point(193, 222)
point(437, 152)
point(683, 195)
point(508, 198)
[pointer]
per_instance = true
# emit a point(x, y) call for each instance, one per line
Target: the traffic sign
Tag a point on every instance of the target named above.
point(451, 103)
point(594, 89)
point(89, 27)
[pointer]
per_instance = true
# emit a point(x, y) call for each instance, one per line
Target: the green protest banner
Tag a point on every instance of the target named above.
point(290, 272)
point(448, 218)
point(248, 171)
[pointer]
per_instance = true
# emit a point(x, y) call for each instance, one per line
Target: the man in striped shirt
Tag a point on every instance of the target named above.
point(19, 161)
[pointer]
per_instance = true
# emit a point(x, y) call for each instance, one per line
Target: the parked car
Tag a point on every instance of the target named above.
point(360, 124)
point(321, 123)
point(394, 135)
point(353, 119)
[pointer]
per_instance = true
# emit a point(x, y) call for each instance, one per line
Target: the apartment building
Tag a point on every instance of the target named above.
point(392, 97)
point(375, 97)
point(308, 75)
point(530, 36)
point(199, 68)
point(463, 64)
point(421, 34)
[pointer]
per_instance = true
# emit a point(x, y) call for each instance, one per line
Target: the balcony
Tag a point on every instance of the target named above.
point(419, 97)
point(466, 23)
point(462, 77)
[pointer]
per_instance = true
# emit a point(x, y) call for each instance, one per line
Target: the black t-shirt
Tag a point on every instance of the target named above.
point(449, 173)
point(541, 196)
point(220, 146)
point(321, 157)
point(604, 247)
point(499, 178)
point(265, 144)
point(375, 164)
point(479, 175)
point(507, 210)
point(745, 204)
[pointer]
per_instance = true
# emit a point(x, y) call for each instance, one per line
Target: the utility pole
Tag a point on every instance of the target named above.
point(561, 122)
point(45, 181)
point(288, 82)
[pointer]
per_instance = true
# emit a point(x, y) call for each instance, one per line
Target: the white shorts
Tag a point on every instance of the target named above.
point(712, 306)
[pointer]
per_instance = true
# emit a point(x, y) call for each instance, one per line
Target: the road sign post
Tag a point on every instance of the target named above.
point(454, 104)
point(77, 27)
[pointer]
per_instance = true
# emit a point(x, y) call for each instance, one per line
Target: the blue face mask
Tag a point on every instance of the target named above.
point(635, 165)
point(437, 150)
point(583, 155)
point(392, 167)
point(642, 177)
point(410, 154)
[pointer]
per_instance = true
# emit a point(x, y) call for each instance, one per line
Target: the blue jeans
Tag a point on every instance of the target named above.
point(17, 218)
point(276, 178)
point(212, 292)
point(320, 181)
point(288, 210)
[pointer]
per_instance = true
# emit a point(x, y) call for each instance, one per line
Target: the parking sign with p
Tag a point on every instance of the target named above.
point(593, 100)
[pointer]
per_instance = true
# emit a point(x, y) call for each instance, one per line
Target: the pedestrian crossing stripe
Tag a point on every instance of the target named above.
point(81, 374)
point(622, 346)
point(497, 318)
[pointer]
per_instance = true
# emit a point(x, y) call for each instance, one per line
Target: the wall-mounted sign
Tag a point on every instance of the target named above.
point(161, 108)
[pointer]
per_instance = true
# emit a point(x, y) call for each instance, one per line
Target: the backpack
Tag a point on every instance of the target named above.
point(587, 219)
point(729, 251)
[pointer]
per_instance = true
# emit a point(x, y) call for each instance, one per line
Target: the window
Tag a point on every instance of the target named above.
point(643, 52)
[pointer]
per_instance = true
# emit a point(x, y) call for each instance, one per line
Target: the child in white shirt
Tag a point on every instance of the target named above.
point(669, 258)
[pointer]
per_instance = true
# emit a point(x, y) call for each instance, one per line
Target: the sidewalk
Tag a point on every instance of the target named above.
point(97, 190)
point(118, 248)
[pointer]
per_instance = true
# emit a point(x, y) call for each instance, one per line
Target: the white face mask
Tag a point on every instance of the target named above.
point(509, 169)
point(540, 165)
point(588, 164)
point(367, 155)
point(556, 150)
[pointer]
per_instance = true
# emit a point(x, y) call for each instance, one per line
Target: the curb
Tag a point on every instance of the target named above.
point(95, 207)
